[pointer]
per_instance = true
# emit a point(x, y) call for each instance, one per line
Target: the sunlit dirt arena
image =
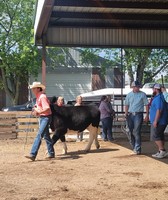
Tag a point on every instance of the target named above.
point(111, 172)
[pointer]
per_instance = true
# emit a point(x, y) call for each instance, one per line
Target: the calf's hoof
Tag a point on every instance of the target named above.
point(86, 150)
point(64, 152)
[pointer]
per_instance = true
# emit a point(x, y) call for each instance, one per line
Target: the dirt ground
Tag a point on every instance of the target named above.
point(112, 172)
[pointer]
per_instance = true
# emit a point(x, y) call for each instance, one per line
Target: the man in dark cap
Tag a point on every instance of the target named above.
point(134, 108)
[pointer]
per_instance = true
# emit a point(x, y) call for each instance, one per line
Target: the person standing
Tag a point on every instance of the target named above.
point(43, 111)
point(159, 120)
point(60, 101)
point(106, 118)
point(134, 108)
point(79, 103)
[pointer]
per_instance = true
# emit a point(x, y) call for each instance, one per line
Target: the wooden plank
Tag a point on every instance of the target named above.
point(23, 113)
point(7, 125)
point(28, 126)
point(27, 120)
point(7, 115)
point(26, 134)
point(8, 136)
point(7, 121)
point(12, 128)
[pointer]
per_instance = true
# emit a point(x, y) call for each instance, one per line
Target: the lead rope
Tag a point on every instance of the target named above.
point(27, 130)
point(30, 116)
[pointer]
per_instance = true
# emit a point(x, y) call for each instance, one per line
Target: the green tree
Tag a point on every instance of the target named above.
point(18, 54)
point(144, 65)
point(60, 57)
point(97, 57)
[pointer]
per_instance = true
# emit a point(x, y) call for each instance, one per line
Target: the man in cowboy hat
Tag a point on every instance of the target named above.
point(43, 111)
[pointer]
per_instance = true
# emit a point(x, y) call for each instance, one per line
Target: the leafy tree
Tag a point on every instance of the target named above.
point(19, 57)
point(144, 65)
point(97, 57)
point(60, 57)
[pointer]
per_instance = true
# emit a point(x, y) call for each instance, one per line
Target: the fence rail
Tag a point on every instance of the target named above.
point(22, 124)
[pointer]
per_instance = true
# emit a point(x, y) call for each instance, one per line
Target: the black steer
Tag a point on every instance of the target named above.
point(76, 118)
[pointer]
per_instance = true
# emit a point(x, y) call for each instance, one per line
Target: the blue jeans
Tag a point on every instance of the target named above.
point(43, 133)
point(107, 128)
point(135, 123)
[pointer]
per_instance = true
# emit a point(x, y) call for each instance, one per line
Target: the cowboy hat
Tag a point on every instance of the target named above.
point(37, 85)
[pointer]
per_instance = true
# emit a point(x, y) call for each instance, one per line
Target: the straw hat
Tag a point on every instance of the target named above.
point(37, 85)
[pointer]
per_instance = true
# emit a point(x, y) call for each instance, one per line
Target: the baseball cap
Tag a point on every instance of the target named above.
point(157, 86)
point(135, 84)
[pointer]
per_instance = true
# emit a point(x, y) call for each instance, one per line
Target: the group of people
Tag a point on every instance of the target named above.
point(135, 102)
point(156, 112)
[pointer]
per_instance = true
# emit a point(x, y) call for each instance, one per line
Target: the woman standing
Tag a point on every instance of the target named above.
point(106, 118)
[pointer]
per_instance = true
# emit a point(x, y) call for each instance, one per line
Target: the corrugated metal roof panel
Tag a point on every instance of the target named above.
point(107, 37)
point(92, 20)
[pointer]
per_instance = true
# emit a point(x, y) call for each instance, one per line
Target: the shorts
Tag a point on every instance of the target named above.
point(158, 132)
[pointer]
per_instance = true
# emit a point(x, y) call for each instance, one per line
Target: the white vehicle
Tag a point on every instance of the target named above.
point(118, 96)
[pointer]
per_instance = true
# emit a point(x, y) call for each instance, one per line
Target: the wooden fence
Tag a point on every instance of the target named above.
point(17, 124)
point(7, 125)
point(22, 124)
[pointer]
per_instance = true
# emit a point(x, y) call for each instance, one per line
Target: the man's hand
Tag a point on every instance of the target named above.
point(155, 124)
point(146, 118)
point(35, 111)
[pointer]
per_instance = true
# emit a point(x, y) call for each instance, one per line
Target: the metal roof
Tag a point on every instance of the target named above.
point(103, 23)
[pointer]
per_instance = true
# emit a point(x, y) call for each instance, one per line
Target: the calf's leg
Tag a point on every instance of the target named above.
point(92, 136)
point(64, 151)
point(58, 135)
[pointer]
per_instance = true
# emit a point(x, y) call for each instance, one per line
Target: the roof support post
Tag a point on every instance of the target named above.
point(44, 60)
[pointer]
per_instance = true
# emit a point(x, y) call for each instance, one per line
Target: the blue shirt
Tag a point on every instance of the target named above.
point(136, 101)
point(158, 103)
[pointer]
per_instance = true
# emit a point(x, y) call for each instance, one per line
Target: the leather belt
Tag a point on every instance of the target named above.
point(135, 113)
point(45, 116)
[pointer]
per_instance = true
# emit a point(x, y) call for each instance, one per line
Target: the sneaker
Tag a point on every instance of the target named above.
point(137, 152)
point(49, 157)
point(32, 158)
point(160, 154)
point(156, 154)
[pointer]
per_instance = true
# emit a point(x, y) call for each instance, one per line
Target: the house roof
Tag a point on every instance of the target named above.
point(103, 23)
